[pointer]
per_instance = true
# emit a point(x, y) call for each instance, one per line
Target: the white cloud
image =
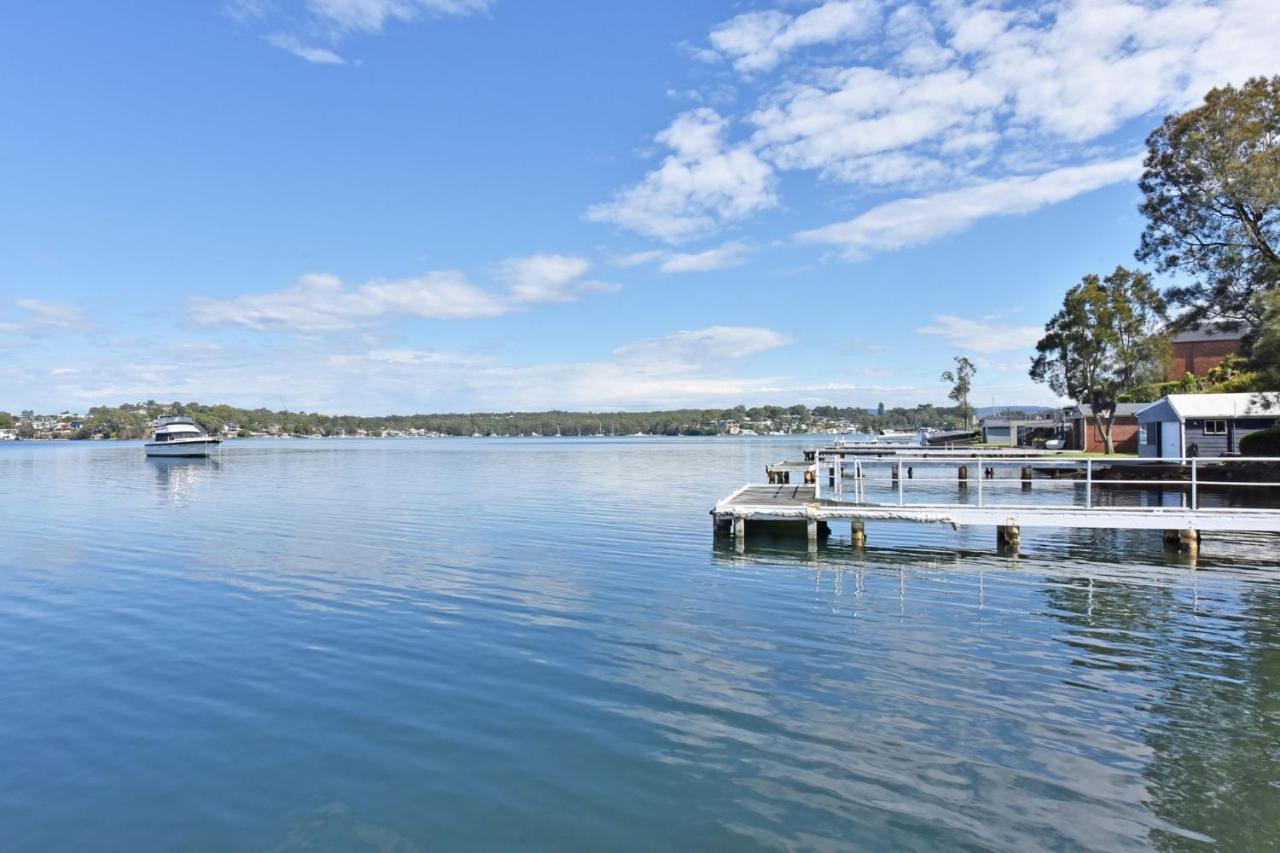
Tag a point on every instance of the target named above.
point(871, 126)
point(703, 184)
point(982, 335)
point(636, 259)
point(757, 41)
point(915, 220)
point(938, 95)
point(320, 302)
point(721, 257)
point(311, 53)
point(370, 15)
point(700, 346)
point(39, 317)
point(549, 278)
point(312, 29)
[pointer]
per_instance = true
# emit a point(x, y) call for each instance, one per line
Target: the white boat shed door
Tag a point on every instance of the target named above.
point(1171, 439)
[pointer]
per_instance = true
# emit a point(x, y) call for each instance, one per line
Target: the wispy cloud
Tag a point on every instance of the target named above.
point(320, 302)
point(312, 29)
point(721, 257)
point(369, 16)
point(916, 220)
point(984, 335)
point(36, 317)
point(311, 53)
point(699, 346)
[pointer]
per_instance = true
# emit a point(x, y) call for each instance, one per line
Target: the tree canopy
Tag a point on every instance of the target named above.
point(1106, 340)
point(961, 382)
point(1211, 188)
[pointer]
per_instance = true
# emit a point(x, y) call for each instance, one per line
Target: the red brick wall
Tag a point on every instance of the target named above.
point(1199, 357)
point(1124, 435)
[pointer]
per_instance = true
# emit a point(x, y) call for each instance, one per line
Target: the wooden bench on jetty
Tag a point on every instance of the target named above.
point(836, 490)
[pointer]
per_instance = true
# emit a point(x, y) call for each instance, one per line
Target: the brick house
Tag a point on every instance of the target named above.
point(1085, 434)
point(1199, 350)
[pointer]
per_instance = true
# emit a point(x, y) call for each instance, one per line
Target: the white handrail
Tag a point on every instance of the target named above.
point(1187, 479)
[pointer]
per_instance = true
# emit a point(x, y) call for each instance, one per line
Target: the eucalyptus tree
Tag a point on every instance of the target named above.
point(1211, 196)
point(961, 382)
point(1106, 339)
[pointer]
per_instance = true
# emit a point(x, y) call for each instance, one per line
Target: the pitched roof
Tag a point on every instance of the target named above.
point(1220, 405)
point(1209, 333)
point(1123, 410)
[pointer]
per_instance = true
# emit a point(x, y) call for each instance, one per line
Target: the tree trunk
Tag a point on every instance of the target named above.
point(1104, 427)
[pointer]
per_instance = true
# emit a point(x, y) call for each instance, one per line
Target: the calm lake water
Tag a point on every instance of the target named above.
point(460, 644)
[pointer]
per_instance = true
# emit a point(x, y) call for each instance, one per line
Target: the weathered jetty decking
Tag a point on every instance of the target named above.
point(835, 496)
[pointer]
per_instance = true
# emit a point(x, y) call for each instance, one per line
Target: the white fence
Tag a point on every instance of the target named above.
point(845, 479)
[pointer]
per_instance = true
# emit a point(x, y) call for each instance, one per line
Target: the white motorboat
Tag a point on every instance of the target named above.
point(180, 437)
point(894, 436)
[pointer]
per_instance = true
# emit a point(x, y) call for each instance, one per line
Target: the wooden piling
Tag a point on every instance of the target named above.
point(962, 474)
point(1026, 478)
point(1008, 537)
point(857, 532)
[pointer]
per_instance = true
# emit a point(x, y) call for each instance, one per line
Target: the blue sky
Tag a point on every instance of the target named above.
point(437, 205)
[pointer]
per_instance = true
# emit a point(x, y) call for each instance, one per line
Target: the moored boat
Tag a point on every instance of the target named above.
point(180, 437)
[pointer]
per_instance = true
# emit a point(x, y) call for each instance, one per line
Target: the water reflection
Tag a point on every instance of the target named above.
point(486, 644)
point(178, 479)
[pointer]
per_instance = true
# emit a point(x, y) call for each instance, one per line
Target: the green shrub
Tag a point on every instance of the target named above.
point(1264, 442)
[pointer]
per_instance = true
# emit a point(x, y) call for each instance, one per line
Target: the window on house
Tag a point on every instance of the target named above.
point(1215, 427)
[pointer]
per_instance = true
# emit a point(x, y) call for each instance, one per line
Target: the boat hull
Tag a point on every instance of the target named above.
point(190, 447)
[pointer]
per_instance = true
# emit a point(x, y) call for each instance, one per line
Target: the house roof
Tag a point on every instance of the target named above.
point(1217, 405)
point(989, 422)
point(1209, 333)
point(1123, 410)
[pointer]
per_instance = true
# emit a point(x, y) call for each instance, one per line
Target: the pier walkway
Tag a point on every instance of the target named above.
point(1181, 497)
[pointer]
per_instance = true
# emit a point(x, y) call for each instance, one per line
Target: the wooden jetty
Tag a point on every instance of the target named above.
point(837, 491)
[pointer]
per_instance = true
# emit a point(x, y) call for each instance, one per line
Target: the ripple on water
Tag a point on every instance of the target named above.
point(425, 644)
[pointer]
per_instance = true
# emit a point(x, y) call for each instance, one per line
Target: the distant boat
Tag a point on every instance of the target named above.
point(895, 436)
point(180, 437)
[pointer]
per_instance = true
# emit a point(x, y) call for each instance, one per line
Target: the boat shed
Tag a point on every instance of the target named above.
point(1013, 432)
point(1182, 425)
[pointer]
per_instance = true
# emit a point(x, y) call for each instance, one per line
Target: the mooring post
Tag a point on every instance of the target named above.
point(1026, 478)
point(1008, 536)
point(857, 532)
point(962, 474)
point(1189, 542)
point(811, 528)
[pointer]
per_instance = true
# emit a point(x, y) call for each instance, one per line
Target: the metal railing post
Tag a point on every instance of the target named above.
point(1195, 500)
point(817, 475)
point(1088, 483)
point(982, 475)
point(900, 501)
